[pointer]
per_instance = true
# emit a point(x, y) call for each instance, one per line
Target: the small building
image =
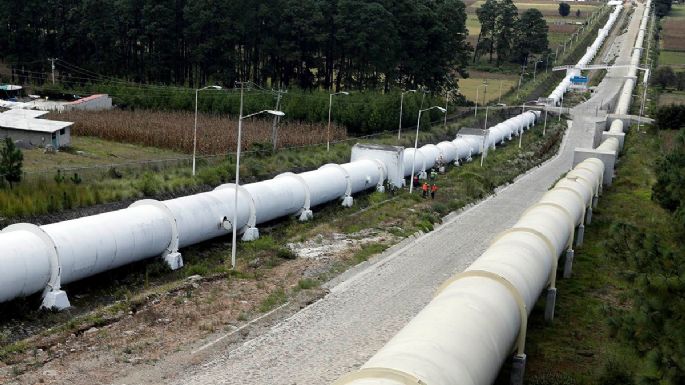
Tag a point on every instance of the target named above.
point(96, 102)
point(9, 91)
point(26, 126)
point(90, 103)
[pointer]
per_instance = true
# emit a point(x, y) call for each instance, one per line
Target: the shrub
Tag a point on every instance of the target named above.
point(670, 117)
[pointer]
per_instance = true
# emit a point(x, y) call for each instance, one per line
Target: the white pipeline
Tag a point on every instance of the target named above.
point(479, 317)
point(624, 99)
point(558, 94)
point(34, 258)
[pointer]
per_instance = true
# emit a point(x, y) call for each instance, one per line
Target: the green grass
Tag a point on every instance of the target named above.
point(472, 24)
point(677, 10)
point(672, 58)
point(90, 152)
point(368, 251)
point(273, 300)
point(467, 87)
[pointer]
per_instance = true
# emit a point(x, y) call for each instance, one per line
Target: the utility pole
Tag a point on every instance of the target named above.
point(274, 128)
point(52, 60)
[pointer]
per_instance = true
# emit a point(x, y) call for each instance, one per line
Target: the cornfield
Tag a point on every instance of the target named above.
point(673, 28)
point(174, 130)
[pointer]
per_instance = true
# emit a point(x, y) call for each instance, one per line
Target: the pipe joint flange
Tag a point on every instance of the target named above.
point(306, 207)
point(347, 197)
point(252, 220)
point(171, 255)
point(383, 175)
point(394, 375)
point(523, 309)
point(571, 222)
point(552, 250)
point(53, 295)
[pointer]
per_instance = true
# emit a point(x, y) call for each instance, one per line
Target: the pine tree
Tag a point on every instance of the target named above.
point(11, 161)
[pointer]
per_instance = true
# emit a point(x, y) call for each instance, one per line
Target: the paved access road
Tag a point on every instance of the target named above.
point(340, 332)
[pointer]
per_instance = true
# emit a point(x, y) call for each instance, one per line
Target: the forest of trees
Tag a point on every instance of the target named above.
point(353, 44)
point(510, 36)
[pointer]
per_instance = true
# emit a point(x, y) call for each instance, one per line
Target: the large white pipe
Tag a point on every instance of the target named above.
point(463, 148)
point(476, 319)
point(67, 251)
point(558, 93)
point(626, 95)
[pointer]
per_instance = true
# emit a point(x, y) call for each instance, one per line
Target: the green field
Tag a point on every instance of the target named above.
point(91, 152)
point(467, 87)
point(678, 10)
point(672, 51)
point(672, 58)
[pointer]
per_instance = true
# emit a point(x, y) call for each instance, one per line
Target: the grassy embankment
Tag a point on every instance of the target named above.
point(580, 347)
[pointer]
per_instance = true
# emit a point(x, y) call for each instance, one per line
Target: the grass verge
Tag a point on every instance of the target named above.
point(580, 347)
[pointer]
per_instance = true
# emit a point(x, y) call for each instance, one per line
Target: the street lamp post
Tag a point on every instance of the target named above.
point(197, 91)
point(274, 127)
point(423, 97)
point(544, 127)
point(556, 53)
point(416, 144)
point(535, 68)
point(447, 95)
point(330, 104)
point(399, 128)
point(499, 100)
point(234, 228)
point(485, 84)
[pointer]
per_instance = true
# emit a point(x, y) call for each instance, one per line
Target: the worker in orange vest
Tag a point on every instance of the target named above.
point(425, 189)
point(434, 188)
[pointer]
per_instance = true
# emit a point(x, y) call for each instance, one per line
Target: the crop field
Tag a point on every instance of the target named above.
point(467, 87)
point(174, 130)
point(672, 97)
point(672, 42)
point(672, 51)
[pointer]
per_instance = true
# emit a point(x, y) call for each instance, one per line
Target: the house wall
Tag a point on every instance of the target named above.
point(35, 138)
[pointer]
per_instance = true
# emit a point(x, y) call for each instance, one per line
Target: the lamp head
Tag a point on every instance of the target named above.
point(276, 113)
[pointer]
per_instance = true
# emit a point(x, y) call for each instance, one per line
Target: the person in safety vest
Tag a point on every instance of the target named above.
point(425, 189)
point(434, 188)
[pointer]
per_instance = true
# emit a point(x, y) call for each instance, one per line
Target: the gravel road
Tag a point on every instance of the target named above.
point(362, 312)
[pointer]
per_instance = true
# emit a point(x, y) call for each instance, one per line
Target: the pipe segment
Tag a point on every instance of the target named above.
point(467, 331)
point(557, 94)
point(71, 250)
point(471, 326)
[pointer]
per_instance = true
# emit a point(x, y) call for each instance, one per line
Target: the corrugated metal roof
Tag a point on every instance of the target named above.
point(13, 119)
point(88, 98)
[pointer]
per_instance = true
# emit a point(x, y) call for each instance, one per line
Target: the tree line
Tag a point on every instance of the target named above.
point(510, 36)
point(328, 44)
